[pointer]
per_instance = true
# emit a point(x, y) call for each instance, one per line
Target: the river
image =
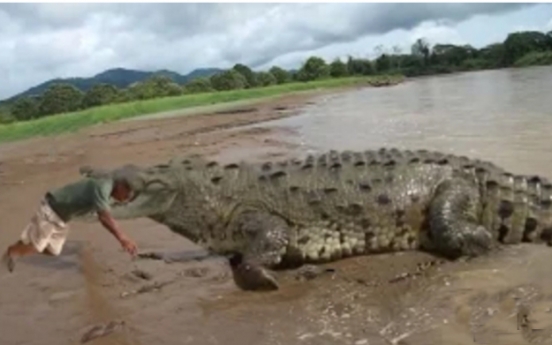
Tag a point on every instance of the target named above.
point(502, 115)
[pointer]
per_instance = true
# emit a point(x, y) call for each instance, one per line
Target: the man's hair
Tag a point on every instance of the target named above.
point(121, 180)
point(128, 177)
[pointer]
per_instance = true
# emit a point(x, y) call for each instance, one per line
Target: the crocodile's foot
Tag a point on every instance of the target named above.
point(475, 241)
point(8, 262)
point(250, 277)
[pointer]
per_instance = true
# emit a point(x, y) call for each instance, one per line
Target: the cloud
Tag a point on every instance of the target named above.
point(549, 25)
point(44, 41)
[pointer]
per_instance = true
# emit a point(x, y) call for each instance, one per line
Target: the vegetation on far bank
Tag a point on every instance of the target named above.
point(68, 122)
point(66, 105)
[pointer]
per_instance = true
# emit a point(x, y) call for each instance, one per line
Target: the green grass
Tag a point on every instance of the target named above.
point(70, 122)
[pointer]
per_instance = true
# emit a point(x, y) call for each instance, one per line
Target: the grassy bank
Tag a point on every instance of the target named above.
point(535, 59)
point(62, 123)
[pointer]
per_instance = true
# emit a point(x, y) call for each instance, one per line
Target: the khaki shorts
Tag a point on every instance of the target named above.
point(46, 230)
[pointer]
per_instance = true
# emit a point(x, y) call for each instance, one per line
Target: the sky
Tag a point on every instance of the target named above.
point(43, 41)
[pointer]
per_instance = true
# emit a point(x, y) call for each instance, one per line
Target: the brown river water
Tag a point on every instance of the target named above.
point(504, 115)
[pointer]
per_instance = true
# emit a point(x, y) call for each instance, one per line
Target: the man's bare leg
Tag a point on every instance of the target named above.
point(17, 250)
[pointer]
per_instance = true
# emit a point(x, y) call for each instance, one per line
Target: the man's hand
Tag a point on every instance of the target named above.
point(129, 246)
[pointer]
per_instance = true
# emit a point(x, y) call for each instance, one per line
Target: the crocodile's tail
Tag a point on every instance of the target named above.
point(516, 208)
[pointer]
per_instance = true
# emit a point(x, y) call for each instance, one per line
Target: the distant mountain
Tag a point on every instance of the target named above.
point(119, 77)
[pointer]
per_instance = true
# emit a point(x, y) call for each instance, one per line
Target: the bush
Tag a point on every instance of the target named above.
point(535, 59)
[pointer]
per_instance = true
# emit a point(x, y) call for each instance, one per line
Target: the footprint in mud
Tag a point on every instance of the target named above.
point(101, 330)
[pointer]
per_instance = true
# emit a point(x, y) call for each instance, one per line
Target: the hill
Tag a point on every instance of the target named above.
point(119, 77)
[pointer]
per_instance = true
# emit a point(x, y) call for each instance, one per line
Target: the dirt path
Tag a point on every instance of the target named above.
point(54, 300)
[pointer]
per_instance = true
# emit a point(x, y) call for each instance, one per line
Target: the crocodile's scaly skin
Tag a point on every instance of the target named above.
point(340, 204)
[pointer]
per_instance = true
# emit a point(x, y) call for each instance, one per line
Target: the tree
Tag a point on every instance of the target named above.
point(99, 94)
point(198, 85)
point(549, 39)
point(282, 76)
point(338, 69)
point(314, 68)
point(352, 66)
point(228, 80)
point(450, 54)
point(124, 95)
point(155, 87)
point(367, 67)
point(25, 108)
point(294, 75)
point(383, 63)
point(421, 49)
point(60, 98)
point(396, 56)
point(493, 55)
point(266, 79)
point(250, 77)
point(359, 66)
point(518, 44)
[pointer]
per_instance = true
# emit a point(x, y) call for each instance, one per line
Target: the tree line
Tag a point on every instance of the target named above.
point(518, 49)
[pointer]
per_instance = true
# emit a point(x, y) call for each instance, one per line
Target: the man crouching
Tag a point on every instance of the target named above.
point(47, 230)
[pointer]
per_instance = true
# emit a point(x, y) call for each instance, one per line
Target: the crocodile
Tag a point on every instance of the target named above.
point(332, 205)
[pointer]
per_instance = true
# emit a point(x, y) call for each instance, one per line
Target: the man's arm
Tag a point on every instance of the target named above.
point(101, 203)
point(110, 224)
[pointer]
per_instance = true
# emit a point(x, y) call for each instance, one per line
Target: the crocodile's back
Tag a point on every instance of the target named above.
point(337, 204)
point(342, 203)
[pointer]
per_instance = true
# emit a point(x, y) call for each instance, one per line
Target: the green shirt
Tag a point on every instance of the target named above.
point(81, 197)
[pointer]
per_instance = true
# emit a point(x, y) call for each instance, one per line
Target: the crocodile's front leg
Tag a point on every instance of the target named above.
point(267, 237)
point(453, 227)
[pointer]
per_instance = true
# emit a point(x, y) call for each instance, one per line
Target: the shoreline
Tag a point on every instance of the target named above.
point(197, 122)
point(63, 123)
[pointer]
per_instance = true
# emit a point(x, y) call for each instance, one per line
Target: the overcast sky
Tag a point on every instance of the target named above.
point(44, 41)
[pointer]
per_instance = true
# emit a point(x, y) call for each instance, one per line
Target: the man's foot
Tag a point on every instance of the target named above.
point(250, 277)
point(8, 262)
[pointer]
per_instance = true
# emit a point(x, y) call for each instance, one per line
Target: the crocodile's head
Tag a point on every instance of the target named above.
point(153, 189)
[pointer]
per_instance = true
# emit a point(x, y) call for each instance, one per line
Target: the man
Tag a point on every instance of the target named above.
point(47, 230)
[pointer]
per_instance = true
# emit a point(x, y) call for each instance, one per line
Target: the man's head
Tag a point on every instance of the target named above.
point(122, 191)
point(138, 192)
